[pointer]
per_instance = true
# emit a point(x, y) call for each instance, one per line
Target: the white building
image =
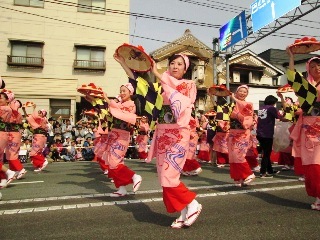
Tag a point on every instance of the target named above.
point(49, 48)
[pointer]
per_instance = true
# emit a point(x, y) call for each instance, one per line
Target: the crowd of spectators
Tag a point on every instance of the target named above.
point(66, 141)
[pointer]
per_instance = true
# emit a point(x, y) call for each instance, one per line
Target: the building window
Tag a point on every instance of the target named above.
point(60, 107)
point(256, 76)
point(26, 53)
point(92, 6)
point(244, 77)
point(30, 3)
point(90, 58)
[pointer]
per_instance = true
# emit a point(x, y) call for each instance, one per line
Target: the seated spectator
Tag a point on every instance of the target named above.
point(79, 145)
point(25, 148)
point(67, 142)
point(70, 153)
point(57, 131)
point(89, 133)
point(26, 134)
point(87, 151)
point(59, 146)
point(54, 152)
point(78, 156)
point(79, 142)
point(79, 133)
point(66, 129)
point(87, 142)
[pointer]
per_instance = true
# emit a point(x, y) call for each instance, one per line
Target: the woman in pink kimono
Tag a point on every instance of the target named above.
point(220, 140)
point(100, 146)
point(124, 117)
point(241, 121)
point(39, 123)
point(101, 132)
point(14, 140)
point(192, 166)
point(170, 142)
point(307, 129)
point(204, 149)
point(171, 139)
point(6, 175)
point(252, 153)
point(143, 138)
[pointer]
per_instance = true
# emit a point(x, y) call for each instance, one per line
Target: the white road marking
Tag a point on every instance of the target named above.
point(17, 183)
point(121, 202)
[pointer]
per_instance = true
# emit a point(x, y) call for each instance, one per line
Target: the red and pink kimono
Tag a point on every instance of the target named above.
point(100, 146)
point(252, 153)
point(204, 149)
point(298, 167)
point(204, 146)
point(142, 140)
point(170, 143)
point(118, 142)
point(40, 128)
point(101, 134)
point(307, 131)
point(5, 116)
point(192, 166)
point(241, 120)
point(220, 142)
point(14, 138)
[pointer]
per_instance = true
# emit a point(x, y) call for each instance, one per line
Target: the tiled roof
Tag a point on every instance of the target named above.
point(280, 57)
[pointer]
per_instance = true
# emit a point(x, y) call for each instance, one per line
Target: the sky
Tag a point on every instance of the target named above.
point(154, 33)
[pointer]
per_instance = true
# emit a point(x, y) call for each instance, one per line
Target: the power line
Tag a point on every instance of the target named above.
point(96, 28)
point(71, 4)
point(235, 10)
point(282, 35)
point(239, 8)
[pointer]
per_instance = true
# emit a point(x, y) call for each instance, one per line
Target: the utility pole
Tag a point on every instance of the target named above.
point(228, 56)
point(215, 43)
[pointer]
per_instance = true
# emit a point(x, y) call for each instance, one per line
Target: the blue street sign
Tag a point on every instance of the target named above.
point(264, 12)
point(234, 31)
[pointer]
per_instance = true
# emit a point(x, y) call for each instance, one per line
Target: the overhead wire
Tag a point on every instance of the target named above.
point(96, 28)
point(147, 16)
point(156, 17)
point(224, 8)
point(71, 4)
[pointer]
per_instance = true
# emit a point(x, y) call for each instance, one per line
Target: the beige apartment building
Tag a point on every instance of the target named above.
point(49, 48)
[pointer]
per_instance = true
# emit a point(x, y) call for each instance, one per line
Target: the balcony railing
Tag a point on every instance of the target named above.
point(89, 65)
point(25, 61)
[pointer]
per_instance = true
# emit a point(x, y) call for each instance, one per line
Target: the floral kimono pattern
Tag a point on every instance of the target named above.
point(170, 143)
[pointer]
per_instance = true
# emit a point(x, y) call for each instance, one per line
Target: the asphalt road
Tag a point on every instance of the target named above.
point(70, 201)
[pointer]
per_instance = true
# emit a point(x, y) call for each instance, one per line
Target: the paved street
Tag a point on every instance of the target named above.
point(70, 201)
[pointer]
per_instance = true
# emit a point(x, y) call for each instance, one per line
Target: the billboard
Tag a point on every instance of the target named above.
point(234, 31)
point(264, 12)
